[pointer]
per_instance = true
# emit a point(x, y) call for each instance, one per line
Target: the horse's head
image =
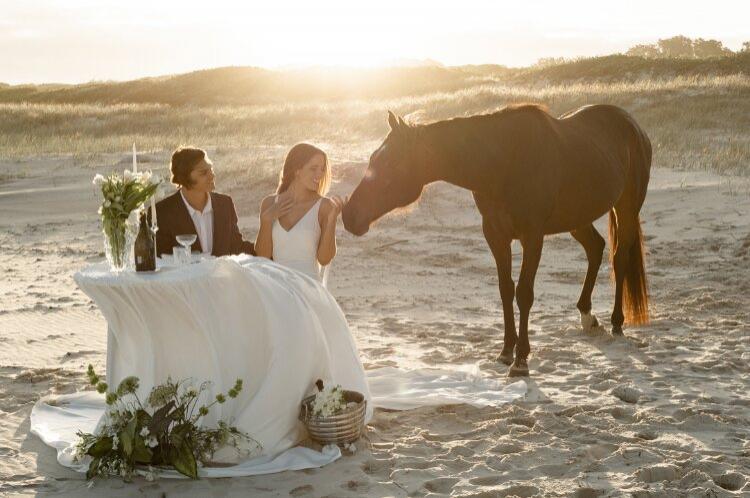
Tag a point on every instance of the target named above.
point(394, 178)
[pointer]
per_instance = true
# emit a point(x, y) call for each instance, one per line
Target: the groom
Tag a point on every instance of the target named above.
point(196, 209)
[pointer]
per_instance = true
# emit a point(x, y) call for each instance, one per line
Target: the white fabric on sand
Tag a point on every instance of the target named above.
point(397, 389)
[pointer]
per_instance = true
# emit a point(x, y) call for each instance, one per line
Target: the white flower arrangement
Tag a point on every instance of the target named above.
point(329, 401)
point(121, 196)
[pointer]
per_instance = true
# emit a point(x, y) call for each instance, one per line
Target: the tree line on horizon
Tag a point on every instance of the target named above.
point(682, 47)
point(677, 47)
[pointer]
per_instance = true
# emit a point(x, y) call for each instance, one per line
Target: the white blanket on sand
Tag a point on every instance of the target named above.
point(57, 421)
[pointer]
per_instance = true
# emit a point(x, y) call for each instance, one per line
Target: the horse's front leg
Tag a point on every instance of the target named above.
point(532, 253)
point(499, 243)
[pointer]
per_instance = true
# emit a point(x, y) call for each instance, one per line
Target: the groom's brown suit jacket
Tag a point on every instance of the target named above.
point(174, 219)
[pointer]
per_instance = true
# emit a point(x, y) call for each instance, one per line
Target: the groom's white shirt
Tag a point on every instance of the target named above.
point(204, 223)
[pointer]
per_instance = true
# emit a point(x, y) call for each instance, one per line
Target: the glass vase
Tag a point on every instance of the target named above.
point(119, 241)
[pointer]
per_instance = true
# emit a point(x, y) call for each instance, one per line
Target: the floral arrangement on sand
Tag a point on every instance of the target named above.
point(161, 431)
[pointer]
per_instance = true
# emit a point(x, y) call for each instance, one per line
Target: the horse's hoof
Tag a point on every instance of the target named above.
point(520, 368)
point(617, 331)
point(588, 322)
point(506, 357)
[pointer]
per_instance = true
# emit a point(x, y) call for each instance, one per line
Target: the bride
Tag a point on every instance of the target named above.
point(306, 329)
point(298, 223)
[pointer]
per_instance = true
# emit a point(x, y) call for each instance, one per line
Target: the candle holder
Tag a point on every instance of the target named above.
point(153, 228)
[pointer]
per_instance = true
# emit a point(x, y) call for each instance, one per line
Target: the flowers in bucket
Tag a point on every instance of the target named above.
point(328, 401)
point(161, 431)
point(334, 415)
point(121, 196)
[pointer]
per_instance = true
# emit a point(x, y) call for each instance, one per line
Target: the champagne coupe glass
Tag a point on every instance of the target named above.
point(187, 240)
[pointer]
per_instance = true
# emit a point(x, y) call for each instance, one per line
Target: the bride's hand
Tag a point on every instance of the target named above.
point(337, 204)
point(276, 209)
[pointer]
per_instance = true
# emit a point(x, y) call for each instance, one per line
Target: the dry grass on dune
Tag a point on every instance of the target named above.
point(695, 122)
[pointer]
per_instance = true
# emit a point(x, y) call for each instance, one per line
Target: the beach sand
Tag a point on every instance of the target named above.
point(664, 411)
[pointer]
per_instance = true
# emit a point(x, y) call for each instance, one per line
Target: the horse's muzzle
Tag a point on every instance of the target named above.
point(352, 224)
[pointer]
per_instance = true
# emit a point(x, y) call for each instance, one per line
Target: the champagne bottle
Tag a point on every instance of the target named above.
point(145, 259)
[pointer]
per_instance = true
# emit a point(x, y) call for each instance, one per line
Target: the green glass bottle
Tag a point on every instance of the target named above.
point(145, 256)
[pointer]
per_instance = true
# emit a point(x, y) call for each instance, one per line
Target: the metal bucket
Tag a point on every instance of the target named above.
point(343, 428)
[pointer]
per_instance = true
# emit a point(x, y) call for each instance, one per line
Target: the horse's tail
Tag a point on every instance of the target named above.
point(626, 231)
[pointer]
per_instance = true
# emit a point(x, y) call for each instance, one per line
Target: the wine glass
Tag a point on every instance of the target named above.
point(186, 241)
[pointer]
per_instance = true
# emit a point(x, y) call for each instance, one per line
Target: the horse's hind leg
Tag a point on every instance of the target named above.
point(593, 244)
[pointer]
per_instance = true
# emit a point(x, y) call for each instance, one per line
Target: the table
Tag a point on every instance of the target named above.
point(222, 319)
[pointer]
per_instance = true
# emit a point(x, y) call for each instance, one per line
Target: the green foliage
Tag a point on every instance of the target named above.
point(160, 395)
point(162, 417)
point(141, 453)
point(183, 459)
point(101, 447)
point(127, 438)
point(128, 385)
point(165, 433)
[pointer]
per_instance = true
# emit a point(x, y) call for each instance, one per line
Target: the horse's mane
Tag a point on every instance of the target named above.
point(516, 108)
point(524, 106)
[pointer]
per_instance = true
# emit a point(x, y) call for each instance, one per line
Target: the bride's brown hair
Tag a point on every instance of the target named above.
point(298, 156)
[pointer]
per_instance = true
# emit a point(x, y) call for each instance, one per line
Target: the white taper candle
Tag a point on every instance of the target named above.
point(135, 165)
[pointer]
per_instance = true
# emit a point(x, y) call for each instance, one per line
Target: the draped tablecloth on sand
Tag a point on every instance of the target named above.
point(249, 318)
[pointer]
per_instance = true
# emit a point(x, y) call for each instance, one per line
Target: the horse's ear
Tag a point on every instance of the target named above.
point(392, 121)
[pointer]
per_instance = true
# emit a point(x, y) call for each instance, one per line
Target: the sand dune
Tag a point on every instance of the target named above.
point(663, 412)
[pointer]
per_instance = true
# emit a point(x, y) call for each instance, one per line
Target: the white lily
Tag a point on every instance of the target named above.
point(98, 180)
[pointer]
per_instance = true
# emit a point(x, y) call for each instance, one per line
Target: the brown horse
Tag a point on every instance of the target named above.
point(531, 175)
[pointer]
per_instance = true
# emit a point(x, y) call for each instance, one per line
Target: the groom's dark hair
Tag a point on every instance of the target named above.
point(184, 159)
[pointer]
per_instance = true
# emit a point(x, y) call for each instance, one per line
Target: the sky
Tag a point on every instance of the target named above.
point(74, 41)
